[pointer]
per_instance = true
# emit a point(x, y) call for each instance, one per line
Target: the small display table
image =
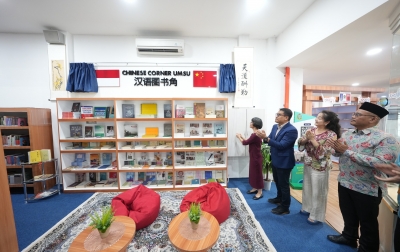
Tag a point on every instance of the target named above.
point(184, 238)
point(78, 245)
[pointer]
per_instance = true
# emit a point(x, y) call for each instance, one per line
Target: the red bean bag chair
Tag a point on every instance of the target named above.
point(213, 199)
point(140, 203)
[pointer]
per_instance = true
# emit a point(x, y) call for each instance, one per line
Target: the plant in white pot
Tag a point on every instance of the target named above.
point(102, 221)
point(267, 165)
point(194, 214)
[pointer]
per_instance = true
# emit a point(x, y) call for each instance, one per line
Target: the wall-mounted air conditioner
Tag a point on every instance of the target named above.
point(160, 46)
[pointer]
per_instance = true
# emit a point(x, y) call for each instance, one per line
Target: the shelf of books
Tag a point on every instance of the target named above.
point(163, 143)
point(23, 130)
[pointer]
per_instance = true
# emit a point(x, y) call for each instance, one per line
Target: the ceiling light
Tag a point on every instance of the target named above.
point(374, 51)
point(355, 84)
point(255, 5)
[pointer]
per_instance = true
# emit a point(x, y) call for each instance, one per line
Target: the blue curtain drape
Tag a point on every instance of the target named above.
point(227, 78)
point(82, 78)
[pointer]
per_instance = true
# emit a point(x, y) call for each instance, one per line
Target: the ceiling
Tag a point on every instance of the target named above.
point(338, 60)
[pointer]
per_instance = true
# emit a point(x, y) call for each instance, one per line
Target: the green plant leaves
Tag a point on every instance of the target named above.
point(102, 221)
point(266, 154)
point(194, 212)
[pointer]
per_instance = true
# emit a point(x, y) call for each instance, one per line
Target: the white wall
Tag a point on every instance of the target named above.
point(24, 77)
point(320, 20)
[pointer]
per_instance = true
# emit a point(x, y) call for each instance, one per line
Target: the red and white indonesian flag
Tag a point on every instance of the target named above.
point(107, 78)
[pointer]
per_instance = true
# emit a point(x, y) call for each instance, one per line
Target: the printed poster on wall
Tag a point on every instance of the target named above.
point(58, 75)
point(243, 58)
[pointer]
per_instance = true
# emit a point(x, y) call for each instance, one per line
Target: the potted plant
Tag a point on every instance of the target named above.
point(102, 221)
point(194, 214)
point(267, 165)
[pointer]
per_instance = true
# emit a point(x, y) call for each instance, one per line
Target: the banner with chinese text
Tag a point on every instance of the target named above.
point(243, 58)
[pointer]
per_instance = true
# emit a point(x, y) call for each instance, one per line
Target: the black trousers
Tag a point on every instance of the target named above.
point(396, 238)
point(281, 178)
point(362, 210)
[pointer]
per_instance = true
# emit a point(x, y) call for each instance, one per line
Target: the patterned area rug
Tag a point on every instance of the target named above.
point(240, 232)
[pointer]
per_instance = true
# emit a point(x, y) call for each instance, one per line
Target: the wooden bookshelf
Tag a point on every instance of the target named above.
point(67, 155)
point(39, 129)
point(309, 94)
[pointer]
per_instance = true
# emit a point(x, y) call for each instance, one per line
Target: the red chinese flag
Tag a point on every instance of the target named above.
point(205, 79)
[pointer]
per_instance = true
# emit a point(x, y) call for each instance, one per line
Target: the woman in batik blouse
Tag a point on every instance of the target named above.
point(317, 164)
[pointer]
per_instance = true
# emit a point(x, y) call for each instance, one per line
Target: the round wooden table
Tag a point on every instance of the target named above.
point(121, 245)
point(183, 244)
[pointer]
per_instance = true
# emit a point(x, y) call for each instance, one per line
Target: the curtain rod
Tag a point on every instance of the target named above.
point(152, 63)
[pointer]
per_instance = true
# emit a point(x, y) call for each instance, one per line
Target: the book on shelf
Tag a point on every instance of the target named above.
point(75, 130)
point(180, 130)
point(220, 111)
point(106, 158)
point(93, 176)
point(203, 181)
point(180, 158)
point(208, 130)
point(22, 121)
point(188, 143)
point(167, 129)
point(130, 176)
point(34, 156)
point(151, 132)
point(210, 112)
point(86, 111)
point(197, 144)
point(94, 160)
point(76, 107)
point(167, 111)
point(103, 176)
point(89, 131)
point(189, 113)
point(99, 130)
point(210, 159)
point(80, 177)
point(162, 182)
point(148, 109)
point(195, 181)
point(194, 129)
point(208, 174)
point(180, 175)
point(99, 112)
point(108, 110)
point(45, 155)
point(179, 182)
point(74, 184)
point(128, 110)
point(190, 158)
point(24, 140)
point(220, 129)
point(200, 158)
point(211, 180)
point(219, 157)
point(112, 115)
point(179, 111)
point(110, 131)
point(129, 156)
point(199, 109)
point(168, 159)
point(130, 130)
point(187, 182)
point(112, 176)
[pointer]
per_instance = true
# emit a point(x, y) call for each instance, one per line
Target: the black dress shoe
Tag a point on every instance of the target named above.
point(275, 201)
point(340, 239)
point(280, 211)
point(252, 192)
point(257, 198)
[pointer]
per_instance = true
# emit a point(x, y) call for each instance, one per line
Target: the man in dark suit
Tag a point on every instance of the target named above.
point(281, 139)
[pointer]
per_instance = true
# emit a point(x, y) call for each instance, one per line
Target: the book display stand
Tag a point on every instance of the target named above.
point(158, 151)
point(41, 179)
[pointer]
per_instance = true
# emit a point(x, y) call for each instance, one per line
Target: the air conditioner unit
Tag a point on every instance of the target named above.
point(160, 46)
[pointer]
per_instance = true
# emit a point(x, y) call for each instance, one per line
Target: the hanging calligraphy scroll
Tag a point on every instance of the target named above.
point(244, 77)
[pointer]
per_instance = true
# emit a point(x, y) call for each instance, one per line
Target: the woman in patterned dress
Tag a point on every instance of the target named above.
point(255, 168)
point(317, 164)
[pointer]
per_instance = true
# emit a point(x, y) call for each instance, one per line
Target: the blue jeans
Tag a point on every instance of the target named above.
point(281, 178)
